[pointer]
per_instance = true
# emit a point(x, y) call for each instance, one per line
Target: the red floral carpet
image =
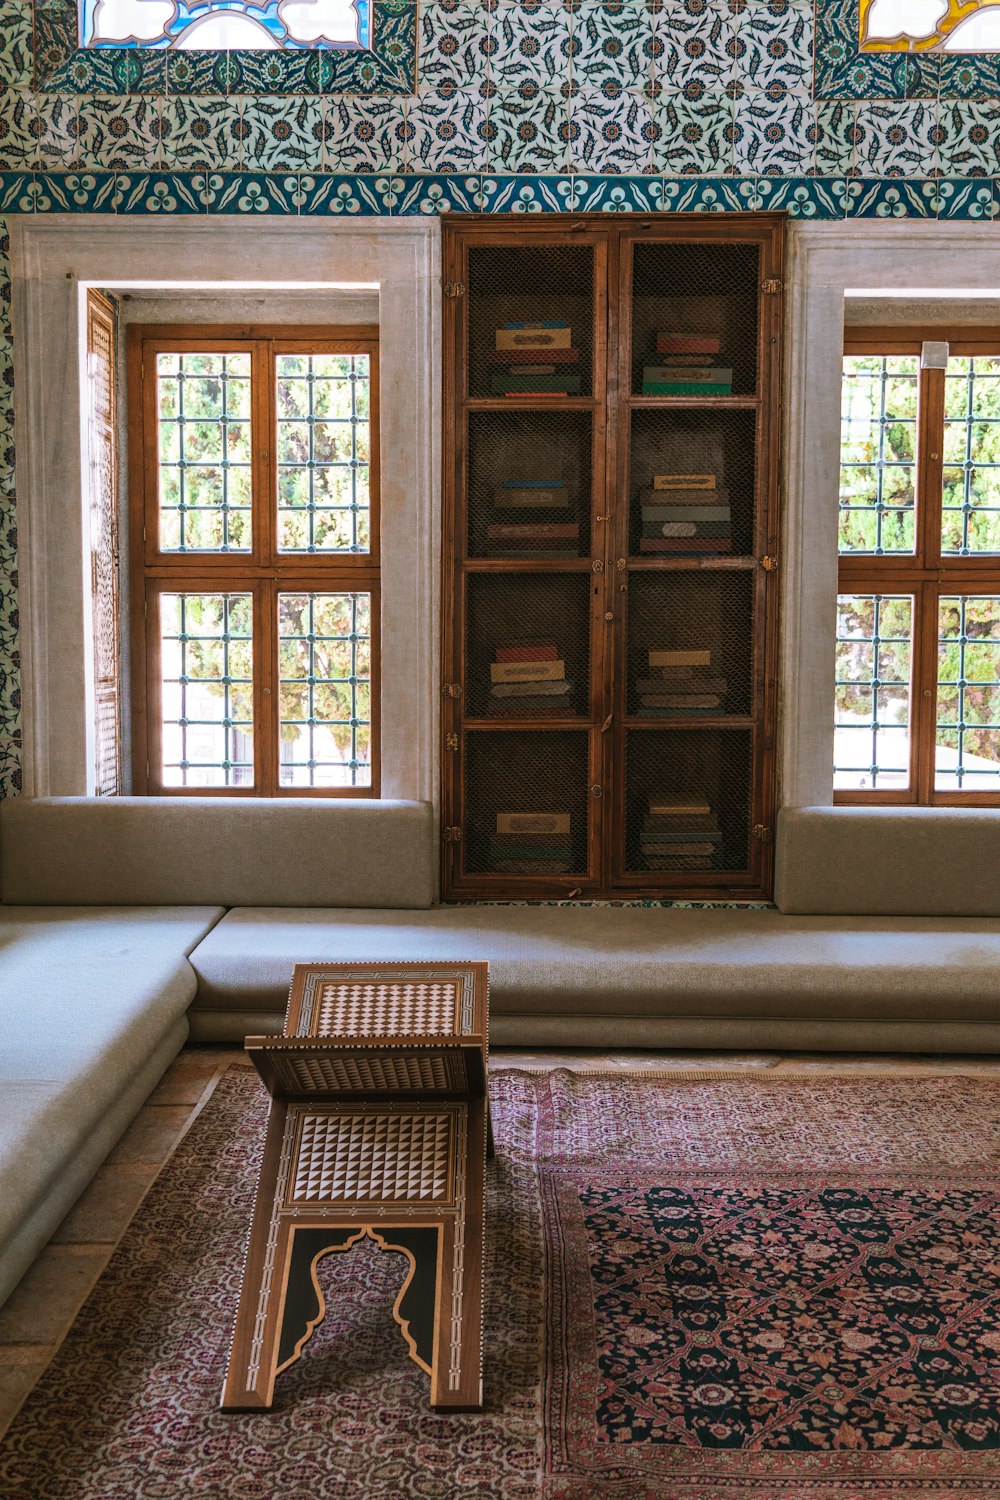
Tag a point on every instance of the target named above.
point(698, 1289)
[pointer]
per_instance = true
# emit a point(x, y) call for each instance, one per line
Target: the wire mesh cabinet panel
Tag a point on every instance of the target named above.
point(610, 556)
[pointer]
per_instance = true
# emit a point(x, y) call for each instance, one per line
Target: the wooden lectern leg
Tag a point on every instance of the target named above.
point(439, 1307)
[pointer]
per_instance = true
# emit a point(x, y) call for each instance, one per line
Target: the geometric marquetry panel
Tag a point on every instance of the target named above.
point(366, 1072)
point(386, 1008)
point(373, 1158)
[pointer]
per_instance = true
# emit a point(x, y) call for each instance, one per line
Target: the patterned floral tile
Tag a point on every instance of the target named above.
point(775, 46)
point(283, 134)
point(16, 43)
point(10, 755)
point(773, 139)
point(890, 199)
point(696, 46)
point(528, 134)
point(18, 140)
point(199, 133)
point(446, 133)
point(616, 195)
point(611, 43)
point(454, 51)
point(529, 194)
point(161, 193)
point(252, 193)
point(834, 137)
point(695, 136)
point(613, 136)
point(120, 134)
point(897, 139)
point(969, 143)
point(528, 43)
point(365, 135)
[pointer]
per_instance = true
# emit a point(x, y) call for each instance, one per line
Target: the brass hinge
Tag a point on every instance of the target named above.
point(762, 832)
point(452, 835)
point(769, 564)
point(772, 286)
point(451, 741)
point(452, 689)
point(454, 288)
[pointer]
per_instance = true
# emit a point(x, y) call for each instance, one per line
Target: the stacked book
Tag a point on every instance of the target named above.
point(688, 365)
point(680, 834)
point(686, 513)
point(537, 359)
point(680, 683)
point(532, 844)
point(534, 538)
point(529, 681)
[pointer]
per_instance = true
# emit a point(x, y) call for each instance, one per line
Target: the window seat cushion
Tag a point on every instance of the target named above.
point(92, 1001)
point(565, 975)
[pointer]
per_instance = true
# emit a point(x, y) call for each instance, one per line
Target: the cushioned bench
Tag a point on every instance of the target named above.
point(125, 919)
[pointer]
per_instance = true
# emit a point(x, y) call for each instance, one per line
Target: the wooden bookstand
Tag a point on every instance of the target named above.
point(379, 1127)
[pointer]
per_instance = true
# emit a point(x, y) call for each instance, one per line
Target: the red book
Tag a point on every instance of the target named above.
point(685, 544)
point(680, 343)
point(527, 653)
point(533, 356)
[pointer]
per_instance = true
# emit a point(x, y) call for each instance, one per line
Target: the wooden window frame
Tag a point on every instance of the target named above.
point(927, 574)
point(263, 571)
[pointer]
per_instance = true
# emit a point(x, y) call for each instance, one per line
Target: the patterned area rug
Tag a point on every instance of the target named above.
point(704, 1287)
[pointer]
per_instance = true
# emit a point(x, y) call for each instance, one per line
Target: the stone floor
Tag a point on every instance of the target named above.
point(41, 1310)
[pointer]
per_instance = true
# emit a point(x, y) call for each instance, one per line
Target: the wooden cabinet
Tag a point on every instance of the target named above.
point(610, 551)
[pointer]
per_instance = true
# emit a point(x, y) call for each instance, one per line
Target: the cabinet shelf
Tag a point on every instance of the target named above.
point(612, 736)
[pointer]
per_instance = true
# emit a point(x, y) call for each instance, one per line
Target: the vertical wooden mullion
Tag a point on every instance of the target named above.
point(150, 749)
point(265, 677)
point(930, 471)
point(604, 600)
point(619, 499)
point(930, 467)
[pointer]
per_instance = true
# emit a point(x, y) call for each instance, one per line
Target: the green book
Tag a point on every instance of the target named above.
point(685, 388)
point(505, 385)
point(714, 514)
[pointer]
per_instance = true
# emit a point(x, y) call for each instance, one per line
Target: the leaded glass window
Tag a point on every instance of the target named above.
point(255, 483)
point(930, 26)
point(917, 707)
point(225, 25)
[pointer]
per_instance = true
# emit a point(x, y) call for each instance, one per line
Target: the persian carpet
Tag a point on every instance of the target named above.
point(705, 1287)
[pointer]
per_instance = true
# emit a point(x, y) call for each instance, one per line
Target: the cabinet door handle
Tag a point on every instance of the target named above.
point(597, 565)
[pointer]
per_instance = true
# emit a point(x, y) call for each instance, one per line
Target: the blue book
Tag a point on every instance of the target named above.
point(534, 325)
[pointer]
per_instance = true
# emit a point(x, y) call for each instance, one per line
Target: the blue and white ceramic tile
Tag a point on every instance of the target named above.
point(79, 192)
point(529, 44)
point(528, 134)
point(775, 47)
point(773, 139)
point(617, 195)
point(202, 133)
point(454, 51)
point(365, 135)
point(446, 133)
point(16, 42)
point(18, 138)
point(349, 196)
point(284, 134)
point(428, 195)
point(970, 138)
point(611, 44)
point(695, 46)
point(972, 198)
point(119, 134)
point(897, 138)
point(892, 199)
point(531, 194)
point(695, 136)
point(612, 136)
point(834, 137)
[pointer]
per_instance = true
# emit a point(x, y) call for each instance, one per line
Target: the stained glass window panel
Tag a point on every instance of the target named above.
point(206, 656)
point(930, 26)
point(877, 454)
point(872, 716)
point(324, 657)
point(218, 25)
point(203, 405)
point(324, 452)
point(970, 521)
point(967, 756)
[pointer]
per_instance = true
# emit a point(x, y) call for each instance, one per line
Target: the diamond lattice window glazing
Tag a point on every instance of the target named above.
point(223, 25)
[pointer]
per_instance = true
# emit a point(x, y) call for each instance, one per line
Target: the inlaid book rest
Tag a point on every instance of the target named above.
point(378, 1128)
